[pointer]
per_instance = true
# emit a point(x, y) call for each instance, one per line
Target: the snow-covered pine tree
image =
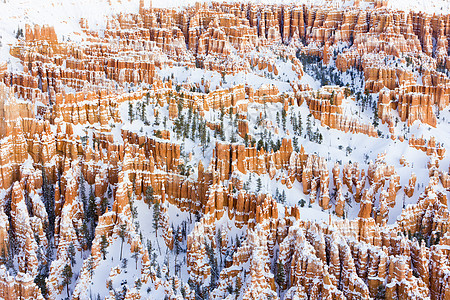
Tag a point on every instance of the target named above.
point(103, 245)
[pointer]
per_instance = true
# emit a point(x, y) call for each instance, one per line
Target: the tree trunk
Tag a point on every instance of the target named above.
point(121, 246)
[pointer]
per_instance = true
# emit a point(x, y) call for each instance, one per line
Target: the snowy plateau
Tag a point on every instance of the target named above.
point(242, 150)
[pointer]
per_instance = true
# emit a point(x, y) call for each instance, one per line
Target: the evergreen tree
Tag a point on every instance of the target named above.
point(90, 266)
point(135, 255)
point(103, 205)
point(156, 217)
point(183, 291)
point(348, 151)
point(375, 117)
point(295, 143)
point(219, 243)
point(149, 248)
point(67, 277)
point(277, 195)
point(39, 280)
point(320, 138)
point(299, 124)
point(92, 214)
point(260, 145)
point(103, 245)
point(85, 238)
point(213, 264)
point(381, 292)
point(158, 271)
point(246, 140)
point(124, 263)
point(138, 283)
point(122, 230)
point(281, 276)
point(133, 208)
point(130, 111)
point(143, 112)
point(317, 136)
point(71, 251)
point(258, 184)
point(283, 119)
point(19, 33)
point(308, 127)
point(49, 201)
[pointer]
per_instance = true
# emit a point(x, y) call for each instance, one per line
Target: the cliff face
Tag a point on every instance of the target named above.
point(262, 177)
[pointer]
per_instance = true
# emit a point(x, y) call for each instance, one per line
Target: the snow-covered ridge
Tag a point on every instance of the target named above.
point(67, 13)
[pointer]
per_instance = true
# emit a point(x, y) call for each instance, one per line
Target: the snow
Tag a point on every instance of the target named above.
point(183, 75)
point(103, 270)
point(428, 6)
point(65, 15)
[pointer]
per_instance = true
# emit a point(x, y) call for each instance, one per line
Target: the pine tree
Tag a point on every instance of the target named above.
point(293, 123)
point(317, 136)
point(219, 243)
point(260, 145)
point(90, 266)
point(213, 264)
point(92, 214)
point(308, 127)
point(122, 230)
point(71, 252)
point(183, 291)
point(375, 117)
point(103, 245)
point(299, 124)
point(149, 248)
point(381, 292)
point(158, 271)
point(135, 255)
point(281, 276)
point(156, 217)
point(39, 280)
point(143, 113)
point(103, 205)
point(348, 151)
point(283, 119)
point(67, 277)
point(277, 195)
point(295, 143)
point(130, 111)
point(49, 201)
point(138, 283)
point(258, 184)
point(85, 240)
